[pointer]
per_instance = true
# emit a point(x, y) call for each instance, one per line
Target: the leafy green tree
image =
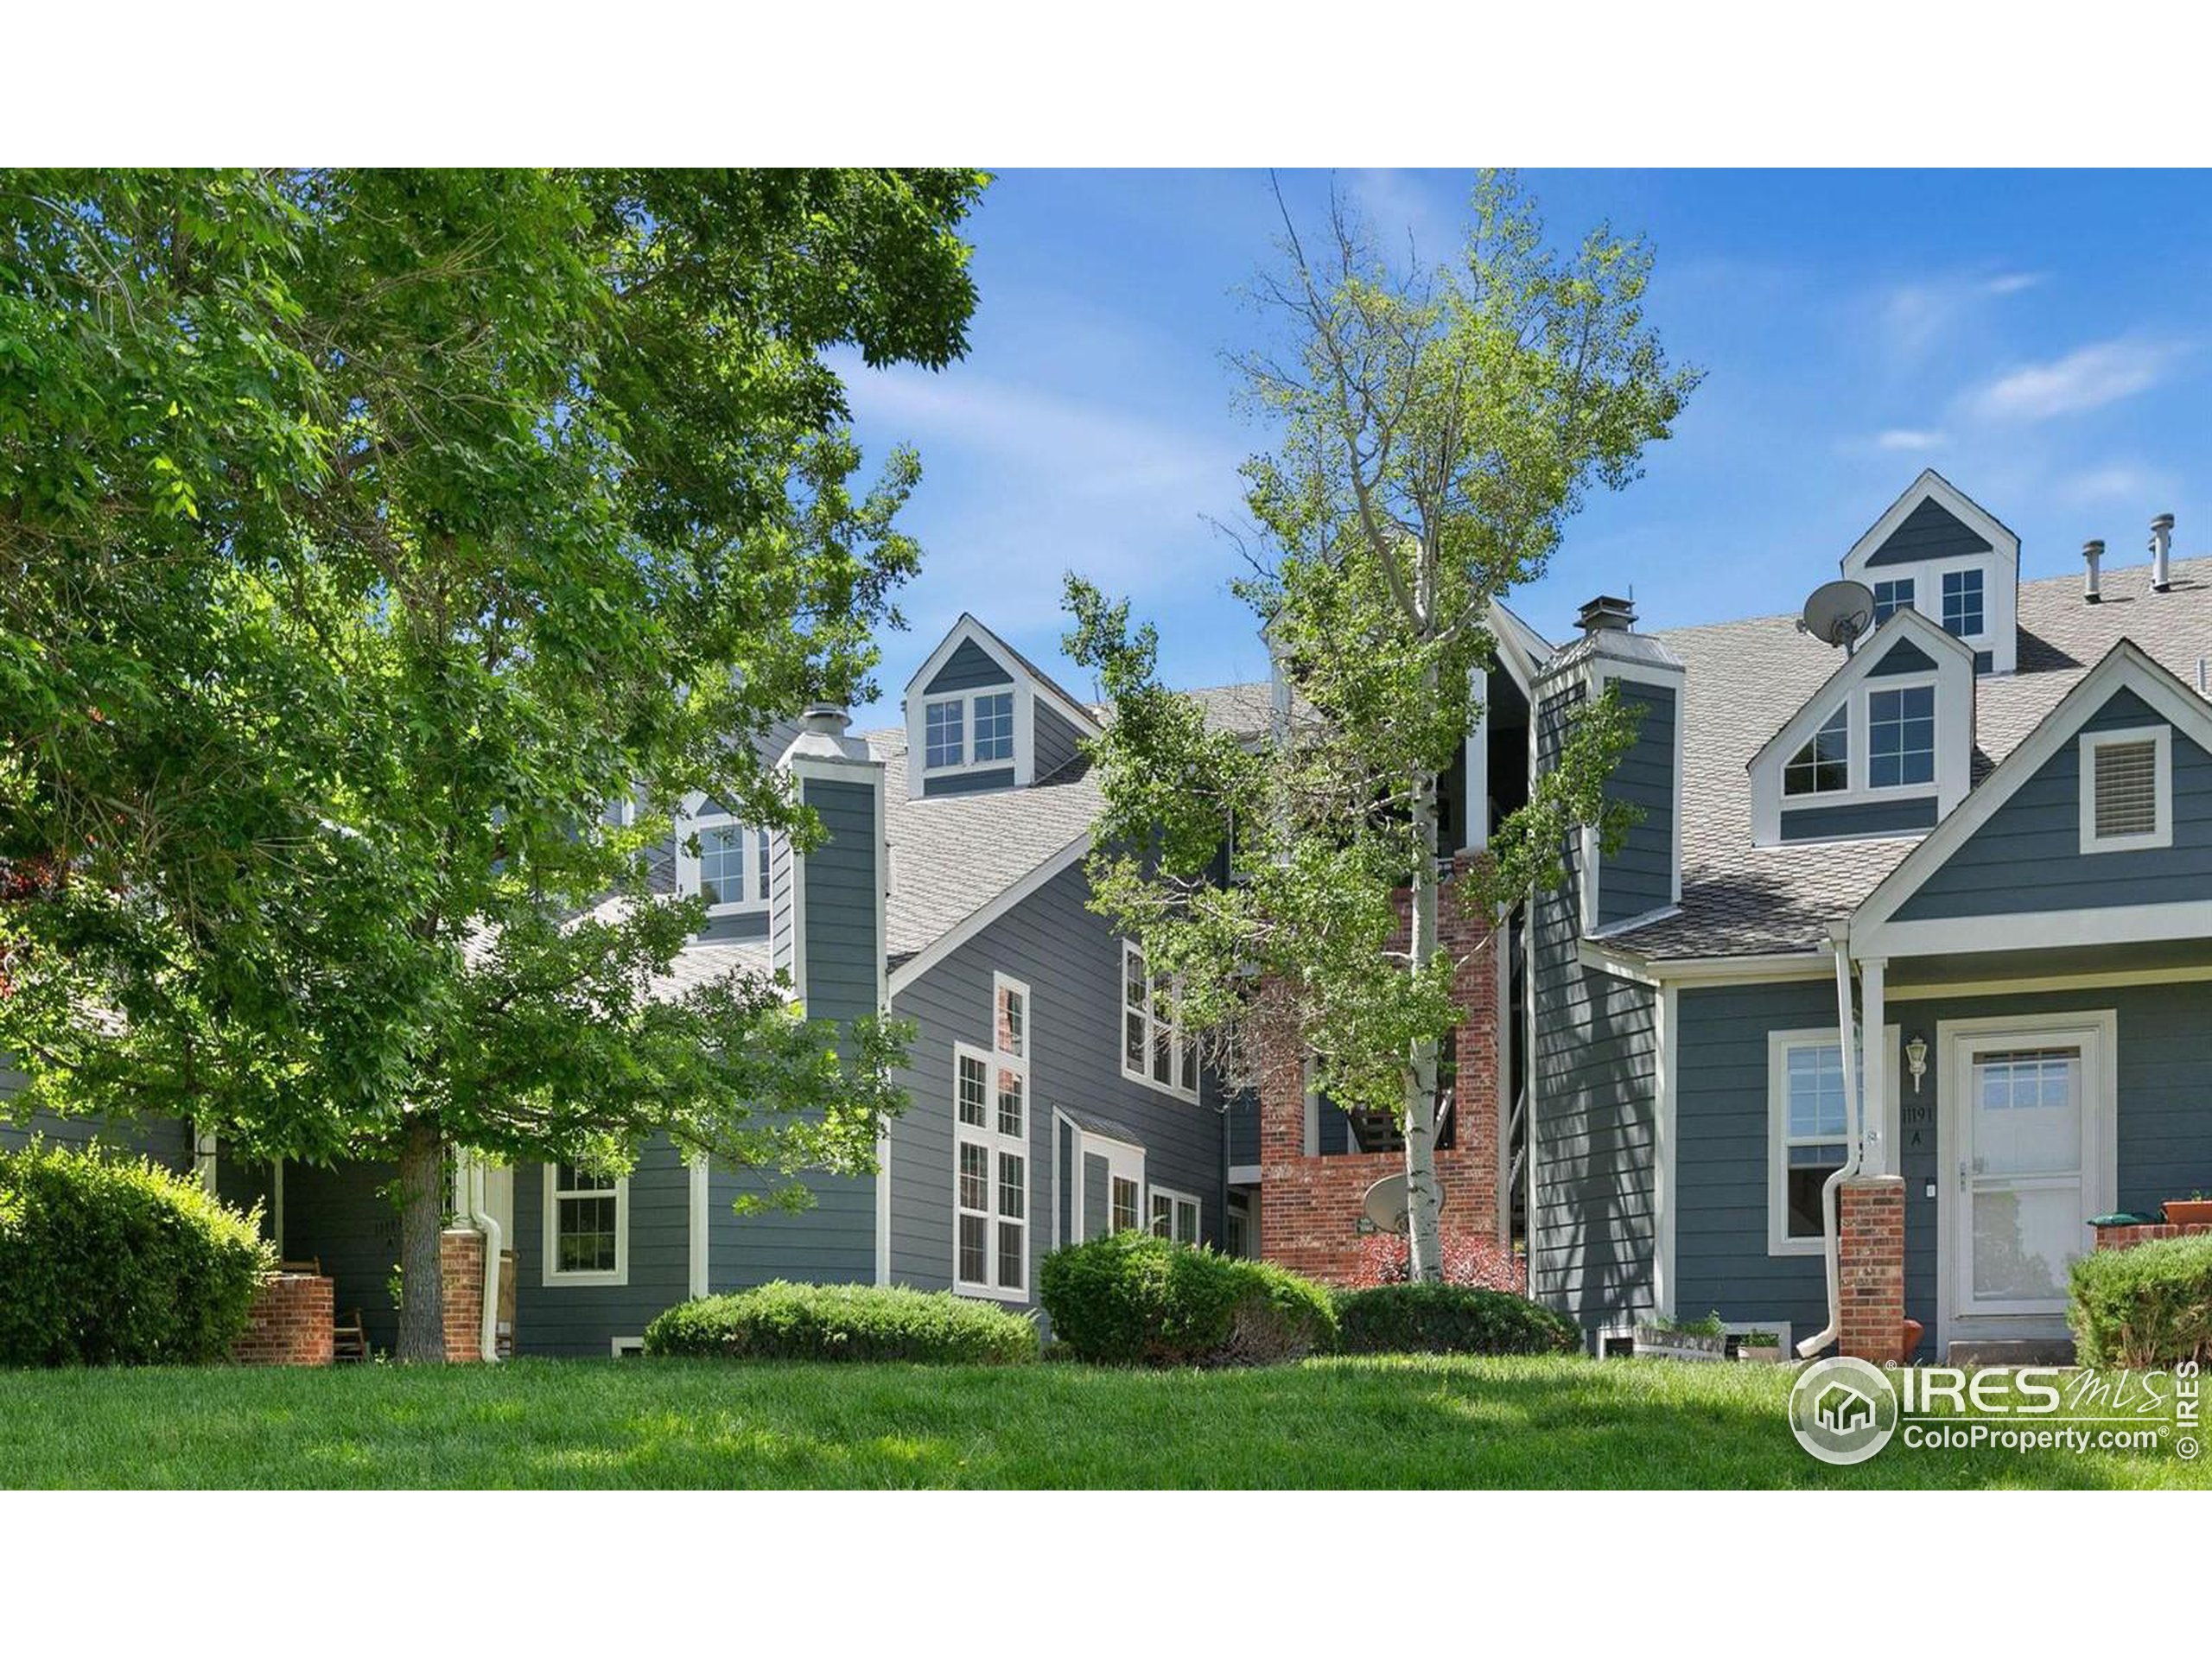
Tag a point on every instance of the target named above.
point(366, 538)
point(1436, 427)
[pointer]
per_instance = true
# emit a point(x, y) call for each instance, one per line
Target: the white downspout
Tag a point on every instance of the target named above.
point(480, 1217)
point(1831, 1239)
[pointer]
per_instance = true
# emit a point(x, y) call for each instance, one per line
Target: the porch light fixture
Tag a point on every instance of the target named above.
point(1916, 1060)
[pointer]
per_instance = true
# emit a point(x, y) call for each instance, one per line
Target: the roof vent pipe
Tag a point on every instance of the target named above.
point(825, 717)
point(2093, 555)
point(2162, 547)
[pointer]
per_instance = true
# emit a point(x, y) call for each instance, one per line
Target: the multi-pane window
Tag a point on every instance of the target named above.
point(991, 1141)
point(1962, 603)
point(1813, 1133)
point(945, 733)
point(1901, 737)
point(1174, 1215)
point(1823, 766)
point(587, 1219)
point(1154, 1048)
point(730, 870)
point(1122, 1205)
point(1891, 597)
point(995, 726)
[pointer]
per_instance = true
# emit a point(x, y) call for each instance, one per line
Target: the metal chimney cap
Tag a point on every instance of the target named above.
point(2164, 521)
point(1605, 612)
point(2092, 550)
point(828, 717)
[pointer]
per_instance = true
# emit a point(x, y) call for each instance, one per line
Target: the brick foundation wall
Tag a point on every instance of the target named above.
point(2126, 1238)
point(290, 1324)
point(460, 1269)
point(1310, 1206)
point(1871, 1214)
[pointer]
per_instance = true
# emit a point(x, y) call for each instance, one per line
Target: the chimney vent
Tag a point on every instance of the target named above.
point(2093, 555)
point(1605, 612)
point(826, 718)
point(2162, 547)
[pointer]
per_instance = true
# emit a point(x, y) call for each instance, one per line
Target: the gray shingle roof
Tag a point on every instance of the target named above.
point(1746, 678)
point(951, 854)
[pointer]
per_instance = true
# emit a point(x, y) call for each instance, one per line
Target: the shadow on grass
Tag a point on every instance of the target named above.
point(1412, 1422)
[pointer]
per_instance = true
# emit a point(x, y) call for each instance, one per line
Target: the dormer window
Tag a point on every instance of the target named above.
point(1823, 766)
point(947, 723)
point(981, 717)
point(730, 870)
point(1963, 613)
point(1891, 597)
point(1901, 737)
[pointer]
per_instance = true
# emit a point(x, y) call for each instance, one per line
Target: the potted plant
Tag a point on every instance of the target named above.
point(2196, 1209)
point(1759, 1347)
point(1701, 1340)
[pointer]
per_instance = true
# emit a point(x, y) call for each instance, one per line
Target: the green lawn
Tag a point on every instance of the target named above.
point(1328, 1423)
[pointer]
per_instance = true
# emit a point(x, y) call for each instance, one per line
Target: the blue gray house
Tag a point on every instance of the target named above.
point(1980, 843)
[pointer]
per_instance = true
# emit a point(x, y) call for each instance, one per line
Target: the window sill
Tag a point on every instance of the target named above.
point(989, 1292)
point(584, 1281)
point(1159, 1088)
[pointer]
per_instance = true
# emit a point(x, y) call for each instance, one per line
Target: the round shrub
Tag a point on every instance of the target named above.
point(109, 1261)
point(2148, 1305)
point(846, 1322)
point(1135, 1300)
point(1430, 1318)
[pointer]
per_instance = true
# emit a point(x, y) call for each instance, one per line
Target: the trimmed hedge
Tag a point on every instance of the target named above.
point(107, 1261)
point(1430, 1318)
point(2147, 1306)
point(843, 1322)
point(1133, 1298)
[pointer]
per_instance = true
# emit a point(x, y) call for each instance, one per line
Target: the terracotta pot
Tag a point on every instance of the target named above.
point(2184, 1212)
point(1913, 1333)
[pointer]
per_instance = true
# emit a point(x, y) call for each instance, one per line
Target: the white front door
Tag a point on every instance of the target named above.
point(2030, 1160)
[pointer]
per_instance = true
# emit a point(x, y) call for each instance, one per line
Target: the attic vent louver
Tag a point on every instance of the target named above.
point(2127, 782)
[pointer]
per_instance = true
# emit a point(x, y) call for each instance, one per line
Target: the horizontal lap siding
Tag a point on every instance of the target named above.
point(1593, 1069)
point(583, 1320)
point(1640, 876)
point(1721, 1153)
point(1072, 962)
point(968, 667)
point(1054, 738)
point(2028, 856)
point(1862, 819)
point(167, 1141)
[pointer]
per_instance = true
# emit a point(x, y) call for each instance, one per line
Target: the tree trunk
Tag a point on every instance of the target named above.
point(1423, 1197)
point(421, 1218)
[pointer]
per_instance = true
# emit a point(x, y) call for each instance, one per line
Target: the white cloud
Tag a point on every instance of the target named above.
point(1910, 439)
point(2012, 281)
point(1916, 316)
point(2127, 483)
point(2084, 379)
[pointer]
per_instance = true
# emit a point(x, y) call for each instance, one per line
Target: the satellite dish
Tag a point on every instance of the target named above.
point(1838, 612)
point(1385, 1205)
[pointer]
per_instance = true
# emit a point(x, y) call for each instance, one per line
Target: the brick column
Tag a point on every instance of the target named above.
point(290, 1324)
point(460, 1269)
point(1873, 1259)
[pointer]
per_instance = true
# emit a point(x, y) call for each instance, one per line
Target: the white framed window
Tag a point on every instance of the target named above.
point(1173, 1214)
point(1807, 1121)
point(1154, 1048)
point(1900, 737)
point(1122, 1202)
point(967, 729)
point(1109, 1198)
point(1891, 597)
point(991, 1169)
point(730, 869)
point(2127, 790)
point(1823, 766)
point(587, 1226)
point(1962, 604)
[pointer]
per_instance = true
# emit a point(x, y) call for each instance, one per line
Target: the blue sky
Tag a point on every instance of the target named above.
point(2039, 339)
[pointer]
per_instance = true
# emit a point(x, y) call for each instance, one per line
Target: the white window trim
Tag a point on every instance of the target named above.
point(1778, 1044)
point(2162, 736)
point(994, 1143)
point(1859, 740)
point(1125, 1158)
point(1177, 1197)
point(967, 701)
point(1001, 984)
point(687, 862)
point(1136, 1074)
point(550, 1224)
